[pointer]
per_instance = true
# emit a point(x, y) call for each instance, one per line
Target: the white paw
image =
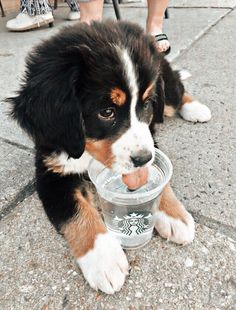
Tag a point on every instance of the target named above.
point(184, 74)
point(175, 230)
point(105, 266)
point(195, 112)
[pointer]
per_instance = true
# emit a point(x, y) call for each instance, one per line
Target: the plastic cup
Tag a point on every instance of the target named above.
point(128, 215)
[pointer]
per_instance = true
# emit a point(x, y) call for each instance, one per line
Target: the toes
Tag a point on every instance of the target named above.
point(195, 112)
point(105, 285)
point(105, 266)
point(116, 278)
point(175, 230)
point(163, 46)
point(123, 263)
point(163, 225)
point(109, 280)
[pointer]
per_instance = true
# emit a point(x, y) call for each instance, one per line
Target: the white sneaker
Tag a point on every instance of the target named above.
point(73, 15)
point(25, 22)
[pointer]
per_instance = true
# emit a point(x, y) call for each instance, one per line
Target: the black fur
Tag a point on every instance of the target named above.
point(57, 192)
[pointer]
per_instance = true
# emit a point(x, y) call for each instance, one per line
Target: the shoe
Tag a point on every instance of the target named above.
point(161, 37)
point(24, 22)
point(73, 15)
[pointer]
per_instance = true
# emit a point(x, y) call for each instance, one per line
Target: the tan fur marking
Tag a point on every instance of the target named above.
point(171, 205)
point(148, 91)
point(169, 111)
point(82, 230)
point(118, 96)
point(187, 98)
point(51, 162)
point(101, 150)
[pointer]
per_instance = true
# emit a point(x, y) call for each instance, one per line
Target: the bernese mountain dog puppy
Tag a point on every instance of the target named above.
point(97, 92)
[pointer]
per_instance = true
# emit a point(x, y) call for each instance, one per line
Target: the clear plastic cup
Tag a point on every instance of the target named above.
point(129, 215)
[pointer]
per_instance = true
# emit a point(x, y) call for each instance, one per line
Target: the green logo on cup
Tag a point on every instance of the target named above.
point(134, 223)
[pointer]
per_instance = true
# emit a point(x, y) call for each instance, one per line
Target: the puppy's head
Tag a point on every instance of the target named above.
point(95, 88)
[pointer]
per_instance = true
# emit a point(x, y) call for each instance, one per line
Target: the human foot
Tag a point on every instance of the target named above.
point(163, 45)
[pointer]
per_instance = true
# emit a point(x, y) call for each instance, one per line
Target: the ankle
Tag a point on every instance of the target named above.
point(154, 27)
point(88, 19)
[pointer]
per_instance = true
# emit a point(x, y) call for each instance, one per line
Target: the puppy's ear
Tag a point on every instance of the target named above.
point(159, 103)
point(48, 109)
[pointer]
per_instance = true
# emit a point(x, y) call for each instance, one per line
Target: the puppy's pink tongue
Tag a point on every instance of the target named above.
point(136, 179)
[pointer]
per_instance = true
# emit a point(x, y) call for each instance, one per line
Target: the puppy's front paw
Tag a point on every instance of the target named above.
point(105, 266)
point(195, 112)
point(180, 231)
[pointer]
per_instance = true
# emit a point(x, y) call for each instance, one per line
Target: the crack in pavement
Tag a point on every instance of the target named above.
point(18, 145)
point(30, 188)
point(227, 230)
point(200, 36)
point(27, 191)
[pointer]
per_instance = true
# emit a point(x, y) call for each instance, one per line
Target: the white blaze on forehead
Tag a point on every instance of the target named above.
point(138, 136)
point(131, 79)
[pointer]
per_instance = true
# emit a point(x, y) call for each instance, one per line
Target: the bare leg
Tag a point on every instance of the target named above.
point(154, 24)
point(172, 221)
point(90, 11)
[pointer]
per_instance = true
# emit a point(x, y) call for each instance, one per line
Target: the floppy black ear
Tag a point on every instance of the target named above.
point(159, 102)
point(47, 106)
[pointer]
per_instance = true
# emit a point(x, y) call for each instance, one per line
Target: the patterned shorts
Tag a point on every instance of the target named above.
point(38, 7)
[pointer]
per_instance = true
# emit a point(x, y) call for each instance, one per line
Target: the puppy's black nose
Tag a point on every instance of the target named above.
point(141, 158)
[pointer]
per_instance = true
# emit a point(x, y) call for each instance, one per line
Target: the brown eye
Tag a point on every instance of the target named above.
point(146, 104)
point(107, 114)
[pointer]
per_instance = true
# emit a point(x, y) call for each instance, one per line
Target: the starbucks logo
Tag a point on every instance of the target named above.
point(134, 223)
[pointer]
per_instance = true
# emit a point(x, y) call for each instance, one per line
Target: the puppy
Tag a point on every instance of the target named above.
point(96, 92)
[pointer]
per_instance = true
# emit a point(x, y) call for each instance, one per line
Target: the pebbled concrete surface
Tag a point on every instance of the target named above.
point(36, 269)
point(183, 37)
point(203, 155)
point(203, 3)
point(14, 176)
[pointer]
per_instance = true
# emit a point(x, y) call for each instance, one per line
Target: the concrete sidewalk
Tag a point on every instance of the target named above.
point(36, 269)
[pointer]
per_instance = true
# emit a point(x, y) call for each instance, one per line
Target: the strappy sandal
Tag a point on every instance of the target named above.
point(161, 37)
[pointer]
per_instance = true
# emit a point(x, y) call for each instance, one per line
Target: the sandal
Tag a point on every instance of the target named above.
point(161, 37)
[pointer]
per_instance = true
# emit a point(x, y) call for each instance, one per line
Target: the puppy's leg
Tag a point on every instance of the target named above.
point(191, 110)
point(176, 98)
point(194, 111)
point(68, 202)
point(99, 255)
point(172, 221)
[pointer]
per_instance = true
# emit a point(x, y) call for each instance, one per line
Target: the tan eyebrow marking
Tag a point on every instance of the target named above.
point(169, 111)
point(118, 96)
point(148, 91)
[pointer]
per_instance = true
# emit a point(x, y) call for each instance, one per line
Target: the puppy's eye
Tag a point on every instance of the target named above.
point(107, 114)
point(146, 104)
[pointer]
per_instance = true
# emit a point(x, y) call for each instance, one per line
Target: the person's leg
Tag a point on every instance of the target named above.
point(154, 24)
point(33, 14)
point(35, 7)
point(91, 10)
point(73, 5)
